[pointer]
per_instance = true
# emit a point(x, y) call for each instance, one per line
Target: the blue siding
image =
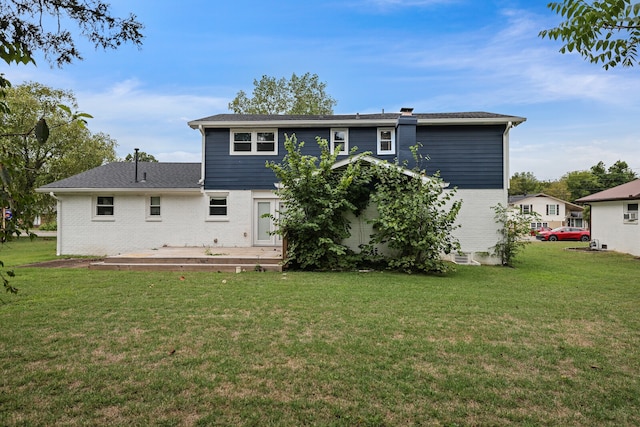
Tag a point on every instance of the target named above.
point(468, 157)
point(226, 172)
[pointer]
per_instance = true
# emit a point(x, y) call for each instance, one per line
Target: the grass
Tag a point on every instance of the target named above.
point(552, 342)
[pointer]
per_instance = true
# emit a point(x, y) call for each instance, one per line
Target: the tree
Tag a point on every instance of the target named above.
point(523, 183)
point(604, 32)
point(617, 174)
point(316, 199)
point(58, 146)
point(557, 189)
point(581, 184)
point(299, 95)
point(415, 217)
point(29, 26)
point(142, 157)
point(514, 227)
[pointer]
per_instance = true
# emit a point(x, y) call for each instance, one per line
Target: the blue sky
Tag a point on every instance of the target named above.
point(432, 55)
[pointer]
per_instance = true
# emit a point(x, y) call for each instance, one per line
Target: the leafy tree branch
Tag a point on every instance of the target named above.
point(604, 32)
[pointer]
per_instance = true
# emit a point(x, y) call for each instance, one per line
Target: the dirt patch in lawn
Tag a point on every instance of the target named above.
point(64, 263)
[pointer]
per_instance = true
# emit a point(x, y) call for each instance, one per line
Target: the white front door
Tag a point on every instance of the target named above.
point(263, 224)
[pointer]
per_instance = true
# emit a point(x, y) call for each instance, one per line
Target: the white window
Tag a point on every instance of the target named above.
point(339, 141)
point(154, 206)
point(386, 141)
point(254, 141)
point(526, 209)
point(553, 209)
point(631, 213)
point(104, 206)
point(218, 206)
point(539, 225)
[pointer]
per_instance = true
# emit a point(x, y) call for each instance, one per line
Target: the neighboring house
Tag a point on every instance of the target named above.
point(614, 218)
point(552, 212)
point(222, 203)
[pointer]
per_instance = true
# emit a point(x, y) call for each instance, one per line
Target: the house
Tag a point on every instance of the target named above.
point(222, 201)
point(552, 211)
point(614, 218)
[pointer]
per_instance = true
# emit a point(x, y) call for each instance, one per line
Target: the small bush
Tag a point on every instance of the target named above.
point(49, 226)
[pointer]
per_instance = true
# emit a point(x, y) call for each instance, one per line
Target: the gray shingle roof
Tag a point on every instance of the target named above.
point(248, 118)
point(121, 175)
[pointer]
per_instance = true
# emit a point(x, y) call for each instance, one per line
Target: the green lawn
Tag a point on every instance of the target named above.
point(554, 341)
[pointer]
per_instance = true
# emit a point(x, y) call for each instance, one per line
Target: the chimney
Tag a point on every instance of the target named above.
point(135, 159)
point(406, 127)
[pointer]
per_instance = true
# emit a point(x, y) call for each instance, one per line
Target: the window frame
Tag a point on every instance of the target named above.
point(332, 141)
point(392, 150)
point(217, 196)
point(150, 216)
point(528, 211)
point(539, 225)
point(96, 207)
point(556, 209)
point(253, 142)
point(630, 209)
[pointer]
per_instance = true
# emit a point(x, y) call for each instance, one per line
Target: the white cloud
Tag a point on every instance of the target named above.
point(154, 122)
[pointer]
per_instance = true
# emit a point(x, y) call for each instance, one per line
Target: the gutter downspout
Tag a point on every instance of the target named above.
point(58, 223)
point(505, 156)
point(201, 129)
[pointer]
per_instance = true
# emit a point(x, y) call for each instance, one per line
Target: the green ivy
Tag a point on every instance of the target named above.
point(415, 214)
point(415, 217)
point(316, 199)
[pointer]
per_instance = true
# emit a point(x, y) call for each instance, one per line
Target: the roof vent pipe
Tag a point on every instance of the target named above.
point(136, 161)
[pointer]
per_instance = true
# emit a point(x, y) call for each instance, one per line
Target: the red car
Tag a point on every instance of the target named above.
point(565, 233)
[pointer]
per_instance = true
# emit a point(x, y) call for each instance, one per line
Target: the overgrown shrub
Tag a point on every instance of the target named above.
point(415, 217)
point(513, 232)
point(316, 199)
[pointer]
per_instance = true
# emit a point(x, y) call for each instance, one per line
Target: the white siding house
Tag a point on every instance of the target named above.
point(553, 212)
point(614, 218)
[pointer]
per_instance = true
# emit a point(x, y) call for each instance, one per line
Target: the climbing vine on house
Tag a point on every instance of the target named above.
point(315, 200)
point(415, 214)
point(416, 217)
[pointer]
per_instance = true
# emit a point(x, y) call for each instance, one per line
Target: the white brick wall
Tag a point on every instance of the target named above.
point(184, 222)
point(478, 232)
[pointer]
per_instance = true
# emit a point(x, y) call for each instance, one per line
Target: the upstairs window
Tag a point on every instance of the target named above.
point(631, 213)
point(526, 209)
point(553, 209)
point(248, 141)
point(339, 141)
point(386, 141)
point(104, 206)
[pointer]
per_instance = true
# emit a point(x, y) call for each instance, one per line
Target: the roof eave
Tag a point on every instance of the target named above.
point(587, 200)
point(197, 124)
point(114, 190)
